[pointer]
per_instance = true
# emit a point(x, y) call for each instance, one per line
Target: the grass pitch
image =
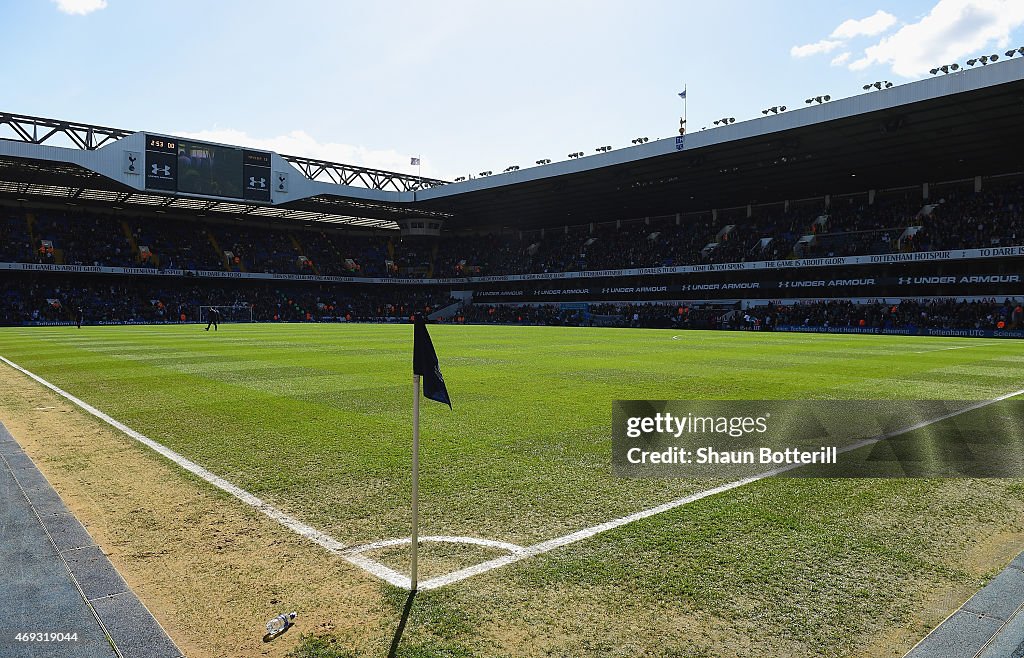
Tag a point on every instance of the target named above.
point(316, 420)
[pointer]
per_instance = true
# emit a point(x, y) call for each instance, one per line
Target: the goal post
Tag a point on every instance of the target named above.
point(237, 312)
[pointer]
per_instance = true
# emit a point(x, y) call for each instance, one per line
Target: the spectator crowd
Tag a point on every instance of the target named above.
point(48, 298)
point(956, 219)
point(908, 314)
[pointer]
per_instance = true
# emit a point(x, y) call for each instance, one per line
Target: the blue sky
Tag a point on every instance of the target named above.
point(468, 86)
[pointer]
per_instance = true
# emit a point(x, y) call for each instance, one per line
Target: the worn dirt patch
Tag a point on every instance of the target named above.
point(987, 556)
point(211, 570)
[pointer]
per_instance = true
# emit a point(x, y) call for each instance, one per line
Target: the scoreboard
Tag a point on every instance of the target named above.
point(161, 164)
point(178, 165)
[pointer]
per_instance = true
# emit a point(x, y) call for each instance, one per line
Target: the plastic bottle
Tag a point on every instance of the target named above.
point(279, 623)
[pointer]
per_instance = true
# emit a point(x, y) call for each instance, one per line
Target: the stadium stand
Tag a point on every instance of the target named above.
point(51, 298)
point(898, 223)
point(846, 216)
point(906, 314)
point(15, 242)
point(850, 226)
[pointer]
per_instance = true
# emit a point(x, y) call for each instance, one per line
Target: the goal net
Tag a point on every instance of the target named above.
point(237, 312)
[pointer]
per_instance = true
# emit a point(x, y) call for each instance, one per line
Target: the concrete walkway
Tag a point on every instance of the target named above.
point(989, 625)
point(55, 582)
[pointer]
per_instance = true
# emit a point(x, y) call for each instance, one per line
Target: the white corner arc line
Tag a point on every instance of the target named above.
point(356, 554)
point(290, 522)
point(445, 539)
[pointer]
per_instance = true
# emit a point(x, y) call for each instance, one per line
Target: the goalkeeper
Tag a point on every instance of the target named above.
point(213, 319)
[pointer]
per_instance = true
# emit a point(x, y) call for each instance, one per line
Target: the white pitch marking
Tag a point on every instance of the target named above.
point(586, 533)
point(293, 524)
point(447, 539)
point(354, 554)
point(958, 347)
point(375, 568)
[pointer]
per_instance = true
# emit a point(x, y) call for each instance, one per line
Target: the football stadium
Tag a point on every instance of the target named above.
point(746, 390)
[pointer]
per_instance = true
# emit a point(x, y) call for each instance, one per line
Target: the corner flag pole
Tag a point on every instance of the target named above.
point(427, 372)
point(415, 479)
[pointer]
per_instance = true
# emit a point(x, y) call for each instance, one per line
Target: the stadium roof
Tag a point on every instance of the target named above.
point(35, 164)
point(951, 127)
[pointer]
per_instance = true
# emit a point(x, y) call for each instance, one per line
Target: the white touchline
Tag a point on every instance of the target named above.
point(287, 521)
point(354, 555)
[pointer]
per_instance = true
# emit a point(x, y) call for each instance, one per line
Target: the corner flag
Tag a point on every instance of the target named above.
point(424, 364)
point(425, 368)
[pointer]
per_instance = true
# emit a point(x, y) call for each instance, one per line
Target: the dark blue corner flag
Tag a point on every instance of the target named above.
point(424, 364)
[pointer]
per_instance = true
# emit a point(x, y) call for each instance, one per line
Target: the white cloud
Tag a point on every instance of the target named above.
point(823, 46)
point(952, 30)
point(80, 7)
point(300, 143)
point(839, 60)
point(876, 23)
point(860, 64)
